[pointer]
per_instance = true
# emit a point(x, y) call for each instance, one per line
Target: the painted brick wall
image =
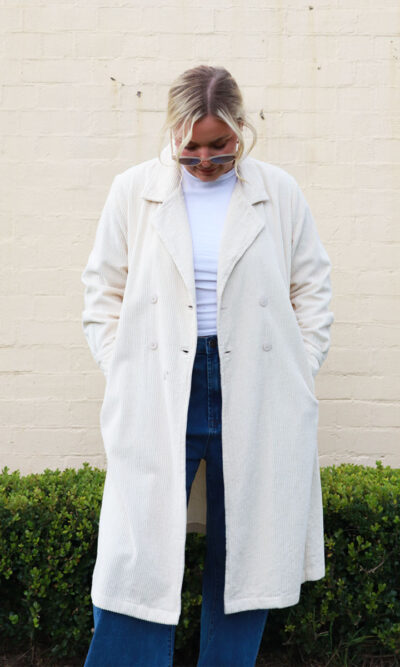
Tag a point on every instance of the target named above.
point(83, 89)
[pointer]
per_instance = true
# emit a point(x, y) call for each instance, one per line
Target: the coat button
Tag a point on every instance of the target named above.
point(153, 345)
point(154, 298)
point(267, 346)
point(263, 300)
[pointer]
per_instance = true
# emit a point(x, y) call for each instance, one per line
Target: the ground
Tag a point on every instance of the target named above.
point(278, 660)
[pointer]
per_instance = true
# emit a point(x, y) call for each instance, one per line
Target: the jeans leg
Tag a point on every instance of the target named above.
point(124, 641)
point(196, 428)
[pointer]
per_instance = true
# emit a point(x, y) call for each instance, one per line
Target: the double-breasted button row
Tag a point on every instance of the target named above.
point(263, 301)
point(154, 346)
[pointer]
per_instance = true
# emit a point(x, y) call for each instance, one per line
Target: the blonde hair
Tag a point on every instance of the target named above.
point(202, 91)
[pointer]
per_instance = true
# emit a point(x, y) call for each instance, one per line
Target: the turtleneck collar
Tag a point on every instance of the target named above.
point(197, 183)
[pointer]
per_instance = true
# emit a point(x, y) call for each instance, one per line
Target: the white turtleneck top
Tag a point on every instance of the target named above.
point(207, 204)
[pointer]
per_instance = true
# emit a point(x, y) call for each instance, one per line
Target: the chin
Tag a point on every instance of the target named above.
point(212, 175)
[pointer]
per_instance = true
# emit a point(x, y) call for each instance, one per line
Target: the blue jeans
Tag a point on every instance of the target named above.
point(226, 640)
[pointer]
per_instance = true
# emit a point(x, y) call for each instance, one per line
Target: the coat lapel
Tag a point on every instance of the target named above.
point(241, 227)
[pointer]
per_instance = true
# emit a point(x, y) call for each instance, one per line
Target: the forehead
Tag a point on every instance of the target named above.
point(207, 130)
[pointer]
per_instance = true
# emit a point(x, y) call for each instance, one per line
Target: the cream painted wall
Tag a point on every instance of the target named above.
point(83, 91)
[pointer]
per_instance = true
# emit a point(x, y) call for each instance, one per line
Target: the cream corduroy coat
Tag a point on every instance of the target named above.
point(273, 328)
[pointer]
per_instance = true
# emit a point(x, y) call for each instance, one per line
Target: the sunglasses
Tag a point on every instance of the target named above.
point(215, 159)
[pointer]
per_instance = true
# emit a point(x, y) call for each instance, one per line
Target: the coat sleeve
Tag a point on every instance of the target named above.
point(105, 277)
point(310, 283)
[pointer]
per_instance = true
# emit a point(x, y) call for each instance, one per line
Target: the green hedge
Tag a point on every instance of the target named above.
point(48, 539)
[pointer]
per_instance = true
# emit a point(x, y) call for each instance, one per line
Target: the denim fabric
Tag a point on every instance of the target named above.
point(226, 640)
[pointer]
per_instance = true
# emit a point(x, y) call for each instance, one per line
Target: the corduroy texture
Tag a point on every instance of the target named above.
point(273, 327)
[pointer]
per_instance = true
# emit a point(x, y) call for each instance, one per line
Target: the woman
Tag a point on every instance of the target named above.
point(207, 308)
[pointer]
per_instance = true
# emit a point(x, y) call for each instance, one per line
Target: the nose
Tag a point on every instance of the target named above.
point(205, 154)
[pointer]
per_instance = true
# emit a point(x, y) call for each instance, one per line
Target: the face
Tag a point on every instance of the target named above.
point(211, 136)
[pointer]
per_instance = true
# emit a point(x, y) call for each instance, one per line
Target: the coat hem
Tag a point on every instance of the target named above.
point(276, 602)
point(247, 604)
point(136, 610)
point(313, 575)
point(157, 615)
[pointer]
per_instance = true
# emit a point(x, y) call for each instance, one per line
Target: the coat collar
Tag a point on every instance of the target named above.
point(165, 178)
point(245, 220)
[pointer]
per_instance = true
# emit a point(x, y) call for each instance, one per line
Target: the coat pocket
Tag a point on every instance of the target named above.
point(107, 358)
point(306, 365)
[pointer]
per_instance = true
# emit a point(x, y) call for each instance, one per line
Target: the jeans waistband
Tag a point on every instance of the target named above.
point(207, 344)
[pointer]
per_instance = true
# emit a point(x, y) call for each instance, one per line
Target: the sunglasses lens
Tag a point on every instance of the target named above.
point(222, 159)
point(189, 161)
point(216, 159)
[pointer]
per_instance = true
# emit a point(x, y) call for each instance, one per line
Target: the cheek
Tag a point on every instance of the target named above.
point(230, 145)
